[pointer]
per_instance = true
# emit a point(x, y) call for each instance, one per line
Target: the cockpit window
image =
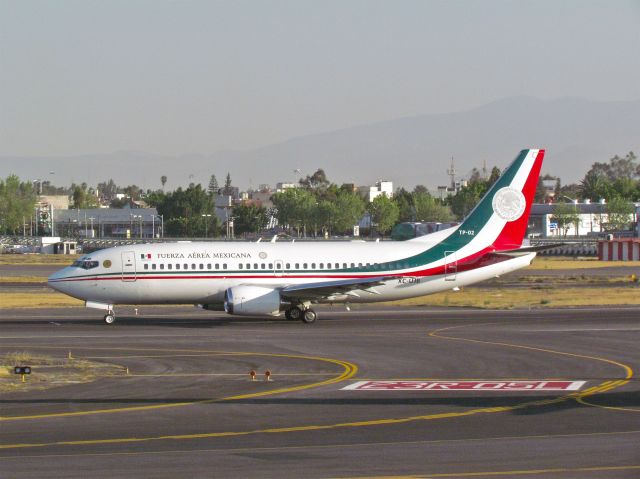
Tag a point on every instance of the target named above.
point(85, 264)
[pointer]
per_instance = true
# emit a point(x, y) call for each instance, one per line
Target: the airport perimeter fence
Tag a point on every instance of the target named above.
point(19, 244)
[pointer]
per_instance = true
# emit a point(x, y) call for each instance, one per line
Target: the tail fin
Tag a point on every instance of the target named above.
point(502, 215)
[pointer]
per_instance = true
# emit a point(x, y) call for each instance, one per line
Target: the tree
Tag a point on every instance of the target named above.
point(293, 207)
point(227, 190)
point(317, 182)
point(183, 210)
point(349, 208)
point(493, 176)
point(163, 180)
point(566, 215)
point(17, 202)
point(384, 213)
point(107, 190)
point(619, 213)
point(595, 185)
point(404, 200)
point(83, 199)
point(213, 185)
point(249, 219)
point(467, 198)
point(322, 215)
point(428, 208)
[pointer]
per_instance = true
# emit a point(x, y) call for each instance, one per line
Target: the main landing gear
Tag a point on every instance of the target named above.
point(110, 317)
point(295, 313)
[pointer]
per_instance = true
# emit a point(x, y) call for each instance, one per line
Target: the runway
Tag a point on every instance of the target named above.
point(188, 408)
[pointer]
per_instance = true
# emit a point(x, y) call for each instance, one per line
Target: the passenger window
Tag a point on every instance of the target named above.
point(177, 265)
point(224, 266)
point(321, 265)
point(288, 266)
point(201, 266)
point(270, 265)
point(240, 266)
point(263, 266)
point(217, 265)
point(170, 266)
point(161, 265)
point(313, 266)
point(353, 265)
point(344, 265)
point(337, 265)
point(208, 266)
point(153, 266)
point(359, 265)
point(193, 266)
point(304, 266)
point(146, 266)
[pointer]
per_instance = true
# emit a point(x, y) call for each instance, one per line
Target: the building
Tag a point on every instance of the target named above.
point(592, 220)
point(370, 193)
point(59, 202)
point(108, 223)
point(280, 187)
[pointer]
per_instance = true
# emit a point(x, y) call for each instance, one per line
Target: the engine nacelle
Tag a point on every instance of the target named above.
point(252, 301)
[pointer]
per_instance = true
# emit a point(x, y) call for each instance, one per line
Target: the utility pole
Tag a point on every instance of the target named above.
point(206, 225)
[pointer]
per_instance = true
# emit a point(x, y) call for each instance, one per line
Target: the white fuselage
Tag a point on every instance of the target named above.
point(201, 272)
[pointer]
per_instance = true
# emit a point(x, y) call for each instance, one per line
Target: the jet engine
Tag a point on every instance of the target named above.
point(252, 301)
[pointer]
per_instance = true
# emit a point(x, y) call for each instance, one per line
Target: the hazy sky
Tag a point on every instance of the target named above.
point(173, 77)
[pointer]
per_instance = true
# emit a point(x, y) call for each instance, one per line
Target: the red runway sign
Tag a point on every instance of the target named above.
point(466, 386)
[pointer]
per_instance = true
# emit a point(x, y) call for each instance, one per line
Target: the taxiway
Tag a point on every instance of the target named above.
point(187, 407)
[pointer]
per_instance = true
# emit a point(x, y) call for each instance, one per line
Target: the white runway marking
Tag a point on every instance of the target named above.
point(574, 330)
point(528, 386)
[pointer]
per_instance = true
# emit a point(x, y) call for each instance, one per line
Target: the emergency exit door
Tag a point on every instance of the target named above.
point(128, 266)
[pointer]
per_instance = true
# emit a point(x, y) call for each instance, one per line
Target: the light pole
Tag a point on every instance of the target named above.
point(206, 225)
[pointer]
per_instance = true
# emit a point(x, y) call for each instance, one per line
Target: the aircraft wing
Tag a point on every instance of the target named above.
point(325, 289)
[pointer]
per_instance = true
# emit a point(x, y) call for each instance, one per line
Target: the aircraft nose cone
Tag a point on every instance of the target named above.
point(53, 281)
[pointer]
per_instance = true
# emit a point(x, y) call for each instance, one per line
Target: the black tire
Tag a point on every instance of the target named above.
point(287, 314)
point(309, 316)
point(294, 313)
point(109, 318)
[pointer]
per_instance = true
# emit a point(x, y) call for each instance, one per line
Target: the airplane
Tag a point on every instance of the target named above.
point(269, 278)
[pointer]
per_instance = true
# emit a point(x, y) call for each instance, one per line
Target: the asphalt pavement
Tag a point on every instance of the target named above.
point(434, 392)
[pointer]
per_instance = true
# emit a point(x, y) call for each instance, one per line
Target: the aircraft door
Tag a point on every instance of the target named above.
point(128, 266)
point(278, 267)
point(450, 266)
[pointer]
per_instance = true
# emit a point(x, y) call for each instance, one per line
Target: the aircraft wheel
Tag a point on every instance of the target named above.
point(293, 313)
point(309, 316)
point(109, 318)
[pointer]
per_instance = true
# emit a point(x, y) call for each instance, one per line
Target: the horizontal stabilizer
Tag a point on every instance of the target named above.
point(532, 249)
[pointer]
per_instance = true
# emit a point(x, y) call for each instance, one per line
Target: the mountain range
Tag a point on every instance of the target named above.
point(409, 151)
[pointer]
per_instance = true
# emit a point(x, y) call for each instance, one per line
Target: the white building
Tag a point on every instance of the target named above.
point(381, 187)
point(280, 187)
point(593, 220)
